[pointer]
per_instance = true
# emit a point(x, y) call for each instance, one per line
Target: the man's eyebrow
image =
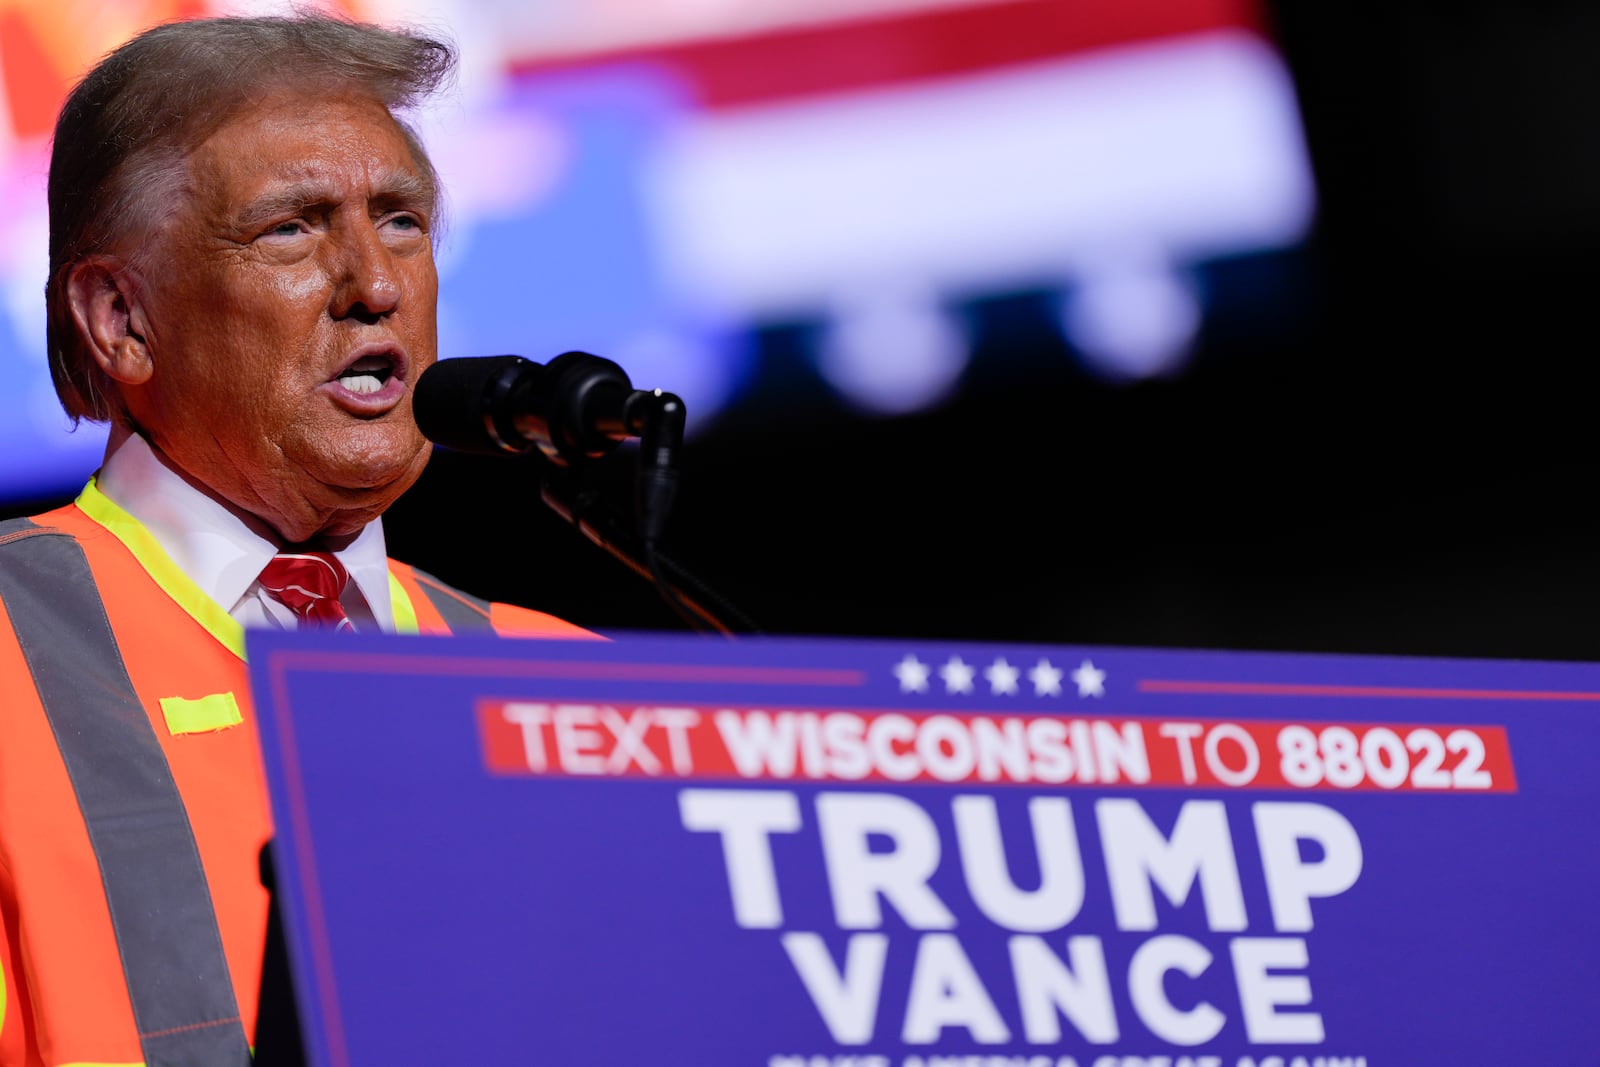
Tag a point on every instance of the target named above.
point(289, 200)
point(406, 189)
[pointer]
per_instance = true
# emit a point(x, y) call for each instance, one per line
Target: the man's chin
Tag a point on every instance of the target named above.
point(373, 467)
point(361, 488)
point(386, 477)
point(340, 483)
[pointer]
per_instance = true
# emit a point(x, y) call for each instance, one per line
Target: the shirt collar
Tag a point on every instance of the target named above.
point(213, 546)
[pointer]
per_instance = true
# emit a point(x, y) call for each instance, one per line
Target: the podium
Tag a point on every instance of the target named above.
point(786, 852)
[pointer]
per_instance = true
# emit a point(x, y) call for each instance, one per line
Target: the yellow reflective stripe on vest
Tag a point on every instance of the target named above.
point(154, 559)
point(405, 616)
point(188, 596)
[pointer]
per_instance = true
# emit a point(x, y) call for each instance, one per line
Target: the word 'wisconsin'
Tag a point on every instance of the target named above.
point(598, 739)
point(883, 854)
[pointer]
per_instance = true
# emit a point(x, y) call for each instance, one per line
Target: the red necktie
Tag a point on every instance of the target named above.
point(310, 584)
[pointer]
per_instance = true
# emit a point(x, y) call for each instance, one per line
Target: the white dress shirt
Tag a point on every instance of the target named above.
point(223, 555)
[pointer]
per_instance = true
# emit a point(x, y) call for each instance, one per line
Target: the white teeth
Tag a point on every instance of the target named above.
point(361, 383)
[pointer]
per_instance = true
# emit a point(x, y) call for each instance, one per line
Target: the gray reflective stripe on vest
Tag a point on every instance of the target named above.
point(161, 911)
point(461, 611)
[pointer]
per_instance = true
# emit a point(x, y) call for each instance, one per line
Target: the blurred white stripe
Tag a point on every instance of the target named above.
point(1187, 148)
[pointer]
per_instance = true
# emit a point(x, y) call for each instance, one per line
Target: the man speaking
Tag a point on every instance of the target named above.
point(242, 284)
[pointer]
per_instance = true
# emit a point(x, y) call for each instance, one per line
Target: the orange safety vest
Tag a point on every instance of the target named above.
point(133, 807)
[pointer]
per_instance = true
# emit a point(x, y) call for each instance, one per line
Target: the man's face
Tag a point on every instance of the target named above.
point(288, 309)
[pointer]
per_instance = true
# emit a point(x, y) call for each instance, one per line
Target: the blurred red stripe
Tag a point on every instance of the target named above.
point(728, 72)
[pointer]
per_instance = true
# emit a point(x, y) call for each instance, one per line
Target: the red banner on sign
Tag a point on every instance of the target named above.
point(576, 738)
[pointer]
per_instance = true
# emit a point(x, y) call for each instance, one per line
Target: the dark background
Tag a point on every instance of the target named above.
point(1383, 444)
point(1386, 446)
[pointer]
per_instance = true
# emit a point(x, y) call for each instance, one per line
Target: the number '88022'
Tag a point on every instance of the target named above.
point(1422, 759)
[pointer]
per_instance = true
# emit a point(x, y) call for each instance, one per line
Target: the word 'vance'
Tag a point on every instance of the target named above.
point(1051, 980)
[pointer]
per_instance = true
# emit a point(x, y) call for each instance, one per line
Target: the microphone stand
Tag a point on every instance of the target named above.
point(657, 419)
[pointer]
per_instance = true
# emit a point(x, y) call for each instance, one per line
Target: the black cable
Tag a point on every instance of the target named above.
point(698, 619)
point(586, 509)
point(661, 562)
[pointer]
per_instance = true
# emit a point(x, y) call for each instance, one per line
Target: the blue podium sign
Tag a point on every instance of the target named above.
point(783, 852)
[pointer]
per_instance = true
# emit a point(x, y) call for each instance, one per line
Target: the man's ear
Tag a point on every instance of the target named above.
point(104, 298)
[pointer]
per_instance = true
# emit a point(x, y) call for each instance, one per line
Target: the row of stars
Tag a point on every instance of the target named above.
point(1004, 679)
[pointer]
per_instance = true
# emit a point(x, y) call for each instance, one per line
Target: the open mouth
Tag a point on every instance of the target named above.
point(367, 375)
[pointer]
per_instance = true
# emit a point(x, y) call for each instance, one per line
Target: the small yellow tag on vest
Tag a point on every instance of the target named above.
point(215, 712)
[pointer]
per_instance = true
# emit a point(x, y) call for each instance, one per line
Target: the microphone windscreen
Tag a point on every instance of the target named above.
point(458, 403)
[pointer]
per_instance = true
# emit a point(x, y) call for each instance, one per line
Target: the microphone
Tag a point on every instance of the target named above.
point(576, 407)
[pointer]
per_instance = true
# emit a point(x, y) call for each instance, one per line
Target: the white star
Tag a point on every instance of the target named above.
point(1091, 680)
point(1002, 677)
point(913, 674)
point(1046, 679)
point(957, 676)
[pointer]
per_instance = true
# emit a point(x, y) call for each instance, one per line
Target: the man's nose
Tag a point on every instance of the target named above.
point(366, 282)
